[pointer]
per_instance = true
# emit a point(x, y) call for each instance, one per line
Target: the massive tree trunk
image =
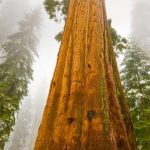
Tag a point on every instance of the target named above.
point(86, 107)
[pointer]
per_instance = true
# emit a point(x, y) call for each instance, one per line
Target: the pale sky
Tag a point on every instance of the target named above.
point(120, 13)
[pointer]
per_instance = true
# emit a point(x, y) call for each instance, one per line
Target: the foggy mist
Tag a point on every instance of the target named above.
point(141, 24)
point(11, 12)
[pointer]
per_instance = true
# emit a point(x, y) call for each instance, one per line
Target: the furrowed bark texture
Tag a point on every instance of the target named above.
point(86, 107)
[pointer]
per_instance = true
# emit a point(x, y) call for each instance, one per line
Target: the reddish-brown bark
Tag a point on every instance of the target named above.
point(86, 107)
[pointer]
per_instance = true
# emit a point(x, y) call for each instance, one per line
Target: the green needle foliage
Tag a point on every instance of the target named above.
point(119, 42)
point(136, 81)
point(16, 72)
point(57, 10)
point(55, 6)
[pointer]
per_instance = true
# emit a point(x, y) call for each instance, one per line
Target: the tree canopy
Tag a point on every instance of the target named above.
point(136, 81)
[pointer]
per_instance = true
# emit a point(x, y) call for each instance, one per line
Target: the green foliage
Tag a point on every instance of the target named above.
point(6, 118)
point(58, 37)
point(16, 72)
point(136, 81)
point(119, 43)
point(55, 6)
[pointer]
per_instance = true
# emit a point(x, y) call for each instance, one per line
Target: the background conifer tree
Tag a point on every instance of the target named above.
point(16, 71)
point(136, 81)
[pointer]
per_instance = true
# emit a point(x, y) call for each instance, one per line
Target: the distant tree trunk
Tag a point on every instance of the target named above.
point(83, 110)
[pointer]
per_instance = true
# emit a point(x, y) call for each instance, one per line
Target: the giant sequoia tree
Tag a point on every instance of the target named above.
point(86, 106)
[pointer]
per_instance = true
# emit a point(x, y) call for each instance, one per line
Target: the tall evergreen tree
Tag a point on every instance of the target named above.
point(11, 11)
point(16, 71)
point(83, 109)
point(136, 81)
